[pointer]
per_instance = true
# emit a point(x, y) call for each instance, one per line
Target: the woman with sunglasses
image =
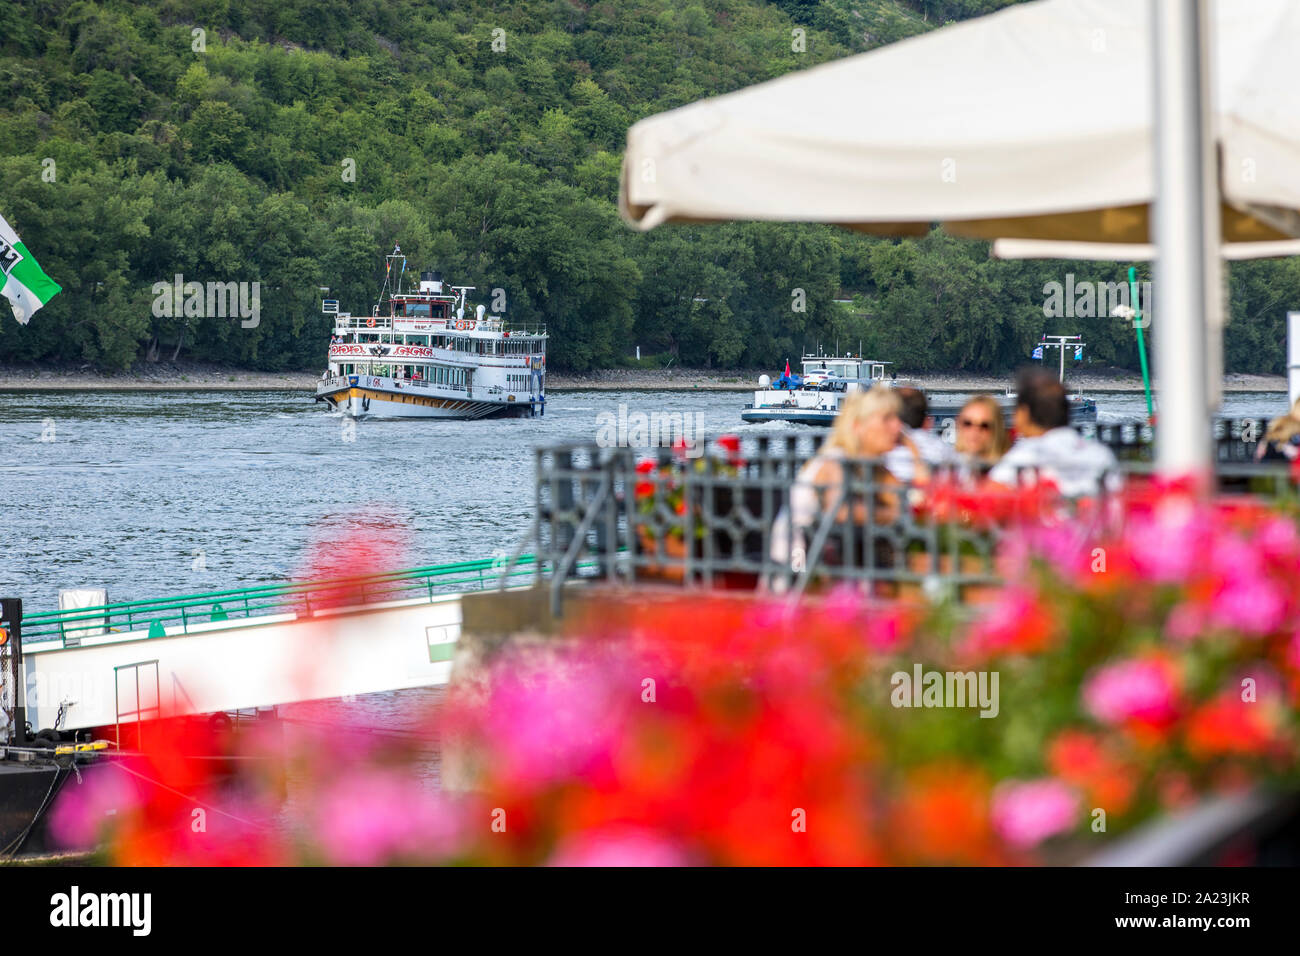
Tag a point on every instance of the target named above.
point(982, 436)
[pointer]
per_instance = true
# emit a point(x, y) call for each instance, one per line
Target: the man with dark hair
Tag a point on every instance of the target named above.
point(1041, 401)
point(1046, 445)
point(917, 425)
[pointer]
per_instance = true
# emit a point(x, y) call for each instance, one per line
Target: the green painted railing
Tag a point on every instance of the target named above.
point(301, 598)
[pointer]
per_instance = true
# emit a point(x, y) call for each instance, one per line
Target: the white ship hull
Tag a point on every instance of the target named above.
point(385, 398)
point(816, 407)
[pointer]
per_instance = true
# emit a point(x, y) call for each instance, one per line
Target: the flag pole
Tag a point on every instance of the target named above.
point(1142, 345)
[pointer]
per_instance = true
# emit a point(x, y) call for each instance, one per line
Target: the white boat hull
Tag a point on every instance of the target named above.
point(391, 401)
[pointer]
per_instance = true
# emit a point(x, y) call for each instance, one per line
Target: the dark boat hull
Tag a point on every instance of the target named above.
point(27, 791)
point(796, 416)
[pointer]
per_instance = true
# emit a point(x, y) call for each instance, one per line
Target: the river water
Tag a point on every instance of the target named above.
point(158, 494)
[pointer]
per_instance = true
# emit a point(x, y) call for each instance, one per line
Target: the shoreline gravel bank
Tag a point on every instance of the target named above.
point(165, 377)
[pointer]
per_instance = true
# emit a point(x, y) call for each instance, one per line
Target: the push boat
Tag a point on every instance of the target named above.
point(815, 396)
point(417, 356)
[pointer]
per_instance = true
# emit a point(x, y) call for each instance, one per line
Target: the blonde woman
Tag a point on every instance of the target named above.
point(1282, 440)
point(867, 426)
point(982, 436)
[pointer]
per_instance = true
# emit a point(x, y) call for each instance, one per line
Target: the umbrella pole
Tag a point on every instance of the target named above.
point(1185, 221)
point(1142, 345)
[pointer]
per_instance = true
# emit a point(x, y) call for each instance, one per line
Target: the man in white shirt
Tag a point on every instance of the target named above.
point(1049, 447)
point(919, 426)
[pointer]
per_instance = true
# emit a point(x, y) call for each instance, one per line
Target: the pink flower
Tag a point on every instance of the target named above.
point(1171, 544)
point(552, 719)
point(1278, 539)
point(1141, 690)
point(1251, 605)
point(1064, 548)
point(843, 605)
point(87, 807)
point(1025, 813)
point(1015, 622)
point(1233, 558)
point(619, 847)
point(376, 817)
point(887, 630)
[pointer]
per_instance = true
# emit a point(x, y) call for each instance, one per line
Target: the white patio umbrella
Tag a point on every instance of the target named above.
point(1077, 121)
point(1034, 123)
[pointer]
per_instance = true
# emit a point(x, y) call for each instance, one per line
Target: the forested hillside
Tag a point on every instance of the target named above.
point(291, 142)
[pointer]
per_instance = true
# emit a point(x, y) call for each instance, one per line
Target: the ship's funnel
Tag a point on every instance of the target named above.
point(431, 282)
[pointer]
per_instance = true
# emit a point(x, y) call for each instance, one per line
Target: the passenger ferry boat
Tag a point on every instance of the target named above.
point(417, 356)
point(815, 396)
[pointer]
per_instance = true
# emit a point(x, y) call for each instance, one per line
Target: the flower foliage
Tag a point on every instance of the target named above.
point(1142, 663)
point(660, 490)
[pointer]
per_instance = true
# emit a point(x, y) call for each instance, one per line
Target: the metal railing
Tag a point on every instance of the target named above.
point(711, 523)
point(300, 598)
point(718, 522)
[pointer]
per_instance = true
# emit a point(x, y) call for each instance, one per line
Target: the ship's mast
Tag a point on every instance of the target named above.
point(394, 269)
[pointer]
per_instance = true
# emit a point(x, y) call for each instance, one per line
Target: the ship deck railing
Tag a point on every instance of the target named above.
point(361, 323)
point(705, 522)
point(385, 323)
point(161, 617)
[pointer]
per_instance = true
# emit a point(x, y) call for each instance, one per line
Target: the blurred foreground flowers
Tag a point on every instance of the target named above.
point(1138, 670)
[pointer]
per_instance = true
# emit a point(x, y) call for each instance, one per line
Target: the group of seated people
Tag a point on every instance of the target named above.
point(894, 427)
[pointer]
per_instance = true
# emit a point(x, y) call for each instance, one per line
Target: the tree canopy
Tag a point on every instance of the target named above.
point(292, 142)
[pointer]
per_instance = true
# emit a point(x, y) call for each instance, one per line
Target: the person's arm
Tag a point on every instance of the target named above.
point(888, 503)
point(921, 471)
point(828, 482)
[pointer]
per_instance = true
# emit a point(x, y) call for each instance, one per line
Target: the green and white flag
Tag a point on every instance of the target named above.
point(21, 279)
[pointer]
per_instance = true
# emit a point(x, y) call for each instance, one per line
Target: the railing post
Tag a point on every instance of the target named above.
point(561, 499)
point(708, 495)
point(11, 611)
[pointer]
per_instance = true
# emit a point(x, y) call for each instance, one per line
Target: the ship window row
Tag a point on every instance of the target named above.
point(435, 374)
point(458, 343)
point(446, 375)
point(488, 346)
point(421, 310)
